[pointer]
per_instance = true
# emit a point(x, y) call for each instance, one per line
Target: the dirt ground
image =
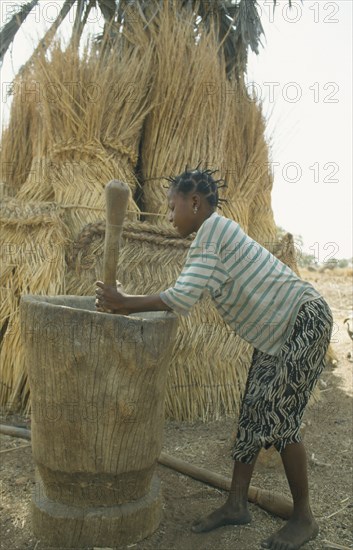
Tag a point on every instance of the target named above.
point(328, 439)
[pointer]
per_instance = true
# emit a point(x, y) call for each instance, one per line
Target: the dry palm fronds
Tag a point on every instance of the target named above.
point(92, 109)
point(33, 240)
point(237, 24)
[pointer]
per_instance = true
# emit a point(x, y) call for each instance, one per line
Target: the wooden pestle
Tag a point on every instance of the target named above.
point(116, 196)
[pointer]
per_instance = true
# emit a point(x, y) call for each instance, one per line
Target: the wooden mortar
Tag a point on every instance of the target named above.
point(97, 385)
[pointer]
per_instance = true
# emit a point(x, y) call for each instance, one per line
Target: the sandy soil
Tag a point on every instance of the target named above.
point(328, 438)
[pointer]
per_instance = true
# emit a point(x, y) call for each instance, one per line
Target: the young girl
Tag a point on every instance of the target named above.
point(283, 317)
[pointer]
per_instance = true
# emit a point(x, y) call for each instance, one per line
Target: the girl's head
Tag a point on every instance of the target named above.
point(192, 198)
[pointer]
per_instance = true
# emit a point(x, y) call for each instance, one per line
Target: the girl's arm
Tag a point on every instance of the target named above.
point(109, 298)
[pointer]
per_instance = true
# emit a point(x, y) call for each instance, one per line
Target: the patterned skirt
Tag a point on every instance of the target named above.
point(278, 387)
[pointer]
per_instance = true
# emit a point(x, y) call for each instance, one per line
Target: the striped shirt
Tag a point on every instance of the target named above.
point(255, 293)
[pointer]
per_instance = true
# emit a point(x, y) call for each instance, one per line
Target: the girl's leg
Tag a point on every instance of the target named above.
point(302, 526)
point(235, 510)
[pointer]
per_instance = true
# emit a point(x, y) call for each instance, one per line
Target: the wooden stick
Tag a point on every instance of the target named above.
point(270, 501)
point(15, 448)
point(23, 433)
point(336, 512)
point(117, 197)
point(328, 544)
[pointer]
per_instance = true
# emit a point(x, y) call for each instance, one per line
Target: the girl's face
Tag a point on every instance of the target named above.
point(181, 212)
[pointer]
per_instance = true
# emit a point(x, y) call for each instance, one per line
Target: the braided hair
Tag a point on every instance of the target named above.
point(199, 181)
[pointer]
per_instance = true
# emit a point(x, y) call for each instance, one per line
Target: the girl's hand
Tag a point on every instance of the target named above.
point(110, 299)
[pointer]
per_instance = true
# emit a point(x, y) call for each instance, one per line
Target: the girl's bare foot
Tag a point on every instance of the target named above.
point(225, 515)
point(293, 535)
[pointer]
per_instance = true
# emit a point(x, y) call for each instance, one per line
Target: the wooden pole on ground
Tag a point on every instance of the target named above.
point(270, 501)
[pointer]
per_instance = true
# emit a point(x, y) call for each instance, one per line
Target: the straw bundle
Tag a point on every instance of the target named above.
point(33, 240)
point(246, 156)
point(37, 186)
point(92, 109)
point(186, 125)
point(262, 226)
point(204, 381)
point(199, 117)
point(86, 257)
point(17, 139)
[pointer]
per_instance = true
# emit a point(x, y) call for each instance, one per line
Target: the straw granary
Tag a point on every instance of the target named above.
point(162, 102)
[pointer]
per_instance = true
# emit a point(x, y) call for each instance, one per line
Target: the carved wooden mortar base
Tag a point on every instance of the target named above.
point(80, 527)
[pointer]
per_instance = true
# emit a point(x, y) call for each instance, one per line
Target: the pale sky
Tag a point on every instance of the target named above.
point(303, 76)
